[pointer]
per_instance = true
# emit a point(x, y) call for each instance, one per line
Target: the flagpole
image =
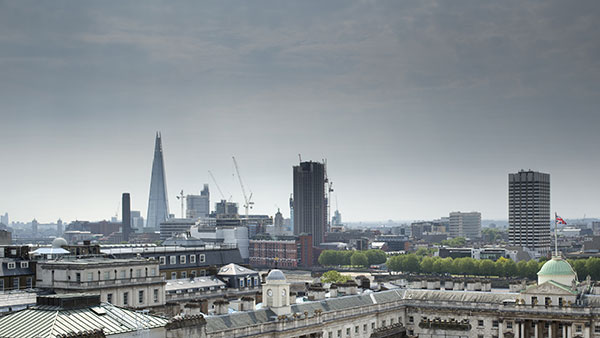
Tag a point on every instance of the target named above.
point(555, 236)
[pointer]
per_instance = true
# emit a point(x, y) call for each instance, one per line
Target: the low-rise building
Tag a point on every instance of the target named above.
point(281, 251)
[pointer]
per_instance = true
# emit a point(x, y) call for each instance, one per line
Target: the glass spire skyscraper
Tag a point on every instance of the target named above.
point(158, 206)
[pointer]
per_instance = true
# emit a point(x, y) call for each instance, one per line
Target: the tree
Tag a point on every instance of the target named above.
point(359, 259)
point(333, 276)
point(411, 263)
point(394, 263)
point(486, 267)
point(593, 268)
point(580, 267)
point(455, 242)
point(376, 256)
point(427, 264)
point(327, 258)
point(532, 269)
point(465, 266)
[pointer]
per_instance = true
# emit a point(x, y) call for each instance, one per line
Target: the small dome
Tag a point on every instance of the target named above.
point(59, 242)
point(558, 270)
point(276, 275)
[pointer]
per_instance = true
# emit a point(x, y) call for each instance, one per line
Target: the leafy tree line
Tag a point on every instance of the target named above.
point(464, 266)
point(503, 267)
point(355, 258)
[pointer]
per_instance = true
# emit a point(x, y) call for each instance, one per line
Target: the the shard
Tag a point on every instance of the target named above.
point(158, 206)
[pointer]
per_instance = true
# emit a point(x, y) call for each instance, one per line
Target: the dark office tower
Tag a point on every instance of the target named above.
point(529, 210)
point(158, 207)
point(126, 222)
point(310, 209)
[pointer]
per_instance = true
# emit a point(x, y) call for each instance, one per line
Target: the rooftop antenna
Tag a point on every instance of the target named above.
point(180, 197)
point(300, 158)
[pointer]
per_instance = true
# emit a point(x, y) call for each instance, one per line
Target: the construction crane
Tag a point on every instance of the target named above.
point(247, 199)
point(180, 197)
point(329, 188)
point(217, 185)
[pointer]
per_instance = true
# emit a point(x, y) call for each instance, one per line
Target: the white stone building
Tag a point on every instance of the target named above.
point(134, 283)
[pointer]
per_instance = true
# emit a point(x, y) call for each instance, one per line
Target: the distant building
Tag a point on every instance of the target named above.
point(310, 207)
point(137, 221)
point(281, 251)
point(233, 235)
point(5, 237)
point(60, 228)
point(158, 206)
point(465, 224)
point(529, 210)
point(226, 209)
point(174, 226)
point(198, 206)
point(34, 228)
point(336, 220)
point(126, 216)
point(4, 219)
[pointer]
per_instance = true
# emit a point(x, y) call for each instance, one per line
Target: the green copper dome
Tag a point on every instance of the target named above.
point(556, 267)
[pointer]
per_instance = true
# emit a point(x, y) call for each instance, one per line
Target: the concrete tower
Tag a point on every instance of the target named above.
point(126, 221)
point(529, 210)
point(310, 207)
point(158, 206)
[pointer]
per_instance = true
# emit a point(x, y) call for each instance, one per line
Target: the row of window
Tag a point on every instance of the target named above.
point(122, 274)
point(364, 328)
point(182, 259)
point(13, 265)
point(16, 283)
point(155, 296)
point(185, 274)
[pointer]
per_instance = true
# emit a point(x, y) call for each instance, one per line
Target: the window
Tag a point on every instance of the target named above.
point(141, 296)
point(29, 281)
point(106, 275)
point(373, 326)
point(16, 283)
point(90, 276)
point(383, 323)
point(411, 319)
point(153, 272)
point(172, 260)
point(122, 274)
point(330, 334)
point(479, 336)
point(364, 327)
point(24, 265)
point(1, 284)
point(138, 273)
point(578, 328)
point(494, 323)
point(125, 298)
point(202, 258)
point(241, 283)
point(255, 281)
point(193, 273)
point(509, 325)
point(182, 259)
point(347, 331)
point(193, 259)
point(560, 301)
point(392, 321)
point(12, 265)
point(339, 333)
point(77, 277)
point(597, 329)
point(173, 275)
point(183, 274)
point(109, 298)
point(356, 329)
point(156, 295)
point(162, 260)
point(480, 322)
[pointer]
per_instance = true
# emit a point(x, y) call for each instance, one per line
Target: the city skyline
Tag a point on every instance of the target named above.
point(419, 108)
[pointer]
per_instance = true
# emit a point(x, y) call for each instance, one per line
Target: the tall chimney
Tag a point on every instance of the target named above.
point(126, 222)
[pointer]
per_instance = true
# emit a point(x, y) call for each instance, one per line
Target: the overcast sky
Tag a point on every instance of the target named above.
point(420, 107)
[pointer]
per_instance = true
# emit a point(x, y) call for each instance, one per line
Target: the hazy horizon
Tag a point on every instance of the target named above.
point(421, 108)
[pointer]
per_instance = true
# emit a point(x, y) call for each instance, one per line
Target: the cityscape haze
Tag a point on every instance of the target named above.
point(416, 116)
